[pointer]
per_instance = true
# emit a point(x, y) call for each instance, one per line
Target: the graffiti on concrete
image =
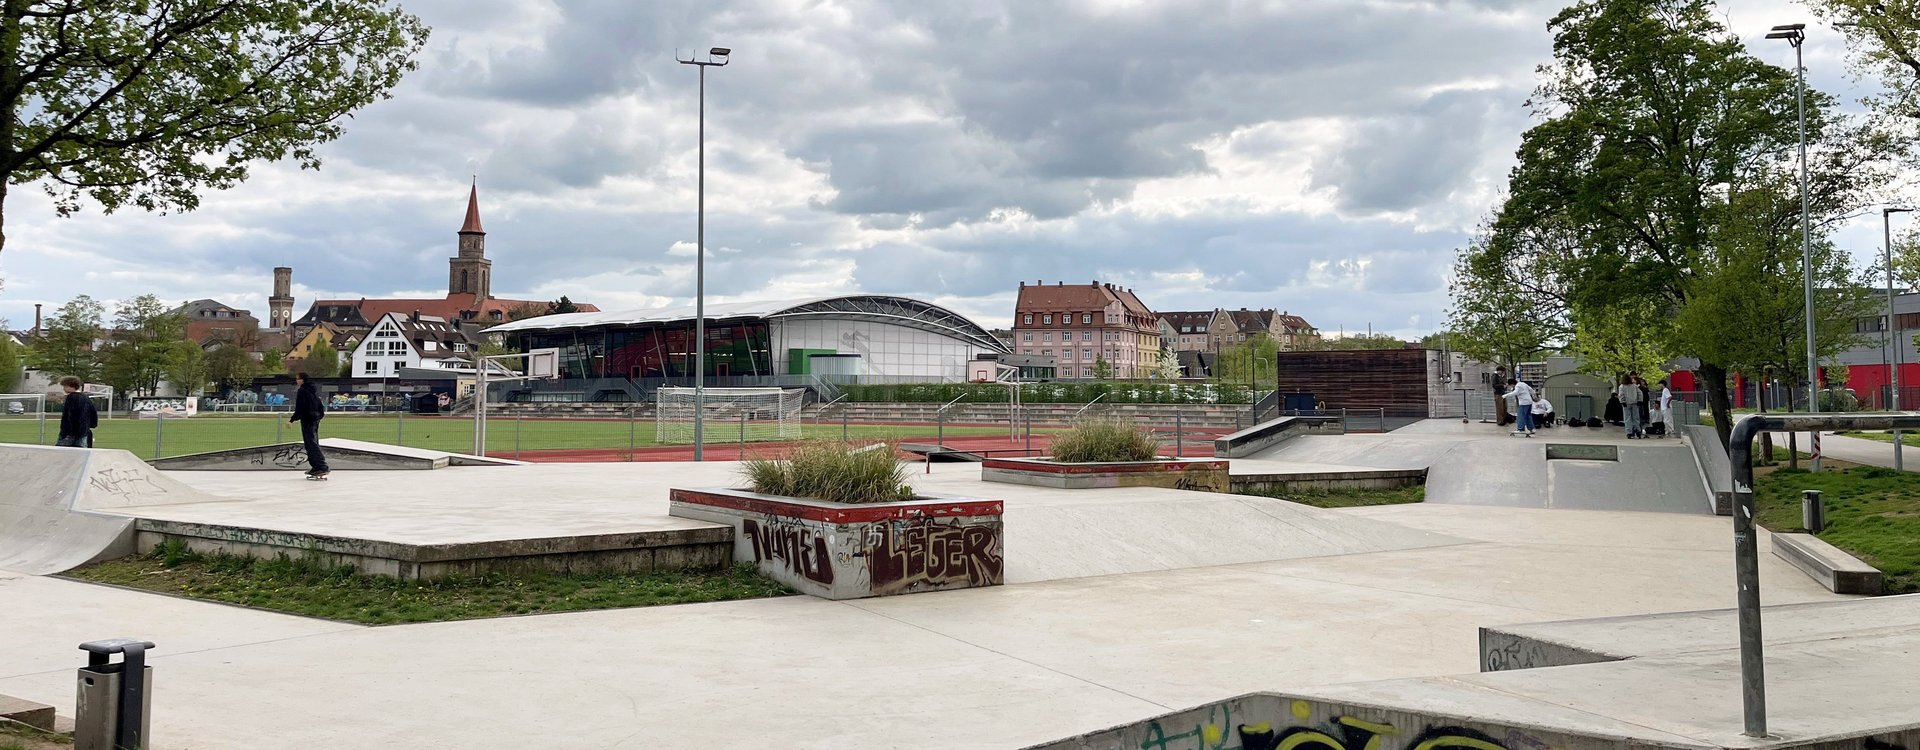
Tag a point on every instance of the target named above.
point(1351, 733)
point(1201, 479)
point(909, 555)
point(793, 546)
point(285, 457)
point(1516, 653)
point(123, 483)
point(1206, 734)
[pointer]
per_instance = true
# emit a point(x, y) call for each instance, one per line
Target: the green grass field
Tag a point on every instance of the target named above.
point(1872, 513)
point(211, 433)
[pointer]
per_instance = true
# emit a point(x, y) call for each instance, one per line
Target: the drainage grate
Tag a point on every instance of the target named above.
point(1582, 452)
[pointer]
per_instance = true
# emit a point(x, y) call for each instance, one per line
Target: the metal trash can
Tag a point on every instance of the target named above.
point(1813, 512)
point(111, 709)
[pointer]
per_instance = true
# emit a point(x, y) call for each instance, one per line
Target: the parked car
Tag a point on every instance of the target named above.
point(15, 407)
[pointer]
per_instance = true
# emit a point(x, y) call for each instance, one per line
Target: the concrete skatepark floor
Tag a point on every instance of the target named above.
point(1155, 601)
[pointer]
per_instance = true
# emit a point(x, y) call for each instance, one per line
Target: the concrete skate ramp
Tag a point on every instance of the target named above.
point(1378, 451)
point(342, 455)
point(56, 503)
point(1136, 529)
point(1515, 473)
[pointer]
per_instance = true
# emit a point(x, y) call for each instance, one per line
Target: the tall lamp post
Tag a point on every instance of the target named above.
point(1796, 34)
point(716, 57)
point(1893, 331)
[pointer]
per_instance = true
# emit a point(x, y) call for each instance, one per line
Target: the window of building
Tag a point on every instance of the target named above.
point(1086, 354)
point(1086, 335)
point(1026, 338)
point(1086, 317)
point(371, 368)
point(1047, 337)
point(1046, 352)
point(1047, 319)
point(429, 345)
point(1026, 319)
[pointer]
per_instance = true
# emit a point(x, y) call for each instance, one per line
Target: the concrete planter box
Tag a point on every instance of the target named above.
point(849, 551)
point(1204, 474)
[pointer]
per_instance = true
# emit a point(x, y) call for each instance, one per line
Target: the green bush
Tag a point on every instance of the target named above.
point(1059, 392)
point(832, 471)
point(1105, 441)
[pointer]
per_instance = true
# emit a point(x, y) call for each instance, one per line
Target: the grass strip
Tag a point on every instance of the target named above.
point(1873, 513)
point(310, 587)
point(1347, 498)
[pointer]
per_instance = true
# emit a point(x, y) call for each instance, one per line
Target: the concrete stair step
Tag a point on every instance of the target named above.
point(37, 715)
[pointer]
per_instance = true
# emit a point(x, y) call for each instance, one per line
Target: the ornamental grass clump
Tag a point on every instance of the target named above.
point(1105, 441)
point(832, 471)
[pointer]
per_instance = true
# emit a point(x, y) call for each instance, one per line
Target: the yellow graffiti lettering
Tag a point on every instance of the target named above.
point(1309, 738)
point(1466, 743)
point(1302, 711)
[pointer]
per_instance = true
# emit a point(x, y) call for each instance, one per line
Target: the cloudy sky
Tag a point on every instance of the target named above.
point(1325, 157)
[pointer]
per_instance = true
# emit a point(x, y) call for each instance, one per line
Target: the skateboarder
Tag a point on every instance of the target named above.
point(1522, 406)
point(308, 410)
point(78, 418)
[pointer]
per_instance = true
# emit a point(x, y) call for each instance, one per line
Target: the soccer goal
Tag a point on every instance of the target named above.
point(730, 414)
point(23, 418)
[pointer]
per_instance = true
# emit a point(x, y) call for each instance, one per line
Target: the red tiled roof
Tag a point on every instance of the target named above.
point(1188, 319)
point(472, 225)
point(1252, 320)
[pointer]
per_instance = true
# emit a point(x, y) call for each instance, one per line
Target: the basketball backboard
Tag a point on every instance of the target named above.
point(543, 363)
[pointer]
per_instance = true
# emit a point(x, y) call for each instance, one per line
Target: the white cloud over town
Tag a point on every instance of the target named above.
point(1324, 157)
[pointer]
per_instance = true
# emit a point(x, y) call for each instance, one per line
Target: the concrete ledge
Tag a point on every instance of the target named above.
point(1840, 572)
point(1266, 435)
point(1381, 479)
point(293, 457)
point(1716, 470)
point(853, 551)
point(1200, 474)
point(36, 715)
point(694, 547)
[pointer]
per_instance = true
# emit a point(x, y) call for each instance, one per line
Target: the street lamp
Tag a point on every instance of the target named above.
point(1796, 35)
point(1892, 331)
point(716, 57)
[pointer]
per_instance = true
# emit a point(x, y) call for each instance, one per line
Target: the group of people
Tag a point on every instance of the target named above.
point(1640, 408)
point(1637, 406)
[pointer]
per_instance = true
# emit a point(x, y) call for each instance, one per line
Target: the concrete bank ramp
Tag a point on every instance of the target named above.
point(1376, 451)
point(1137, 529)
point(1839, 675)
point(56, 503)
point(342, 455)
point(1516, 473)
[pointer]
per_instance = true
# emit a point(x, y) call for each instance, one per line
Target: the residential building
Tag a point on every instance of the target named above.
point(469, 290)
point(411, 341)
point(1294, 333)
point(210, 321)
point(1198, 331)
point(1082, 325)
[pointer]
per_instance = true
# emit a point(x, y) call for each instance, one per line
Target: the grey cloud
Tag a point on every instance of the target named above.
point(1402, 162)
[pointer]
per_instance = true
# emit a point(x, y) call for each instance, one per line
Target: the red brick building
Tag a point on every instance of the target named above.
point(1082, 324)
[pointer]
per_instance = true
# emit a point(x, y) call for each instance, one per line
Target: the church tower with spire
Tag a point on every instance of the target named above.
point(470, 272)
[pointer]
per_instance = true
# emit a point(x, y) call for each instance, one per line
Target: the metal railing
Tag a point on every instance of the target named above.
point(1746, 556)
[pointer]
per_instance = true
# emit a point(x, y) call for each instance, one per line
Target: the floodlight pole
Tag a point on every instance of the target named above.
point(716, 57)
point(1890, 331)
point(1796, 34)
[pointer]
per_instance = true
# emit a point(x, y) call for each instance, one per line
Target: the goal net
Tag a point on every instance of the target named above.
point(23, 419)
point(729, 414)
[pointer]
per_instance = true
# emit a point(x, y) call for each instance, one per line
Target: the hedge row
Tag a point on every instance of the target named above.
point(1109, 392)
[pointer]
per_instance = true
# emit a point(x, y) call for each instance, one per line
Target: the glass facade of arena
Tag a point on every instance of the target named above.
point(659, 351)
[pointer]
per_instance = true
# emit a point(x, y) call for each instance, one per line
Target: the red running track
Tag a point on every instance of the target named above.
point(1195, 445)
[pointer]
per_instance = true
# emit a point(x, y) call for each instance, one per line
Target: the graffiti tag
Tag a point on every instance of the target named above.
point(795, 547)
point(123, 483)
point(906, 556)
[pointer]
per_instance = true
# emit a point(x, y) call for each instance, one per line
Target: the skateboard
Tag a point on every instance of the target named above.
point(321, 477)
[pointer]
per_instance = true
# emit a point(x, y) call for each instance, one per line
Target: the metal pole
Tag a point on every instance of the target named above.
point(743, 436)
point(157, 421)
point(1806, 243)
point(1029, 416)
point(700, 288)
point(631, 411)
point(480, 409)
point(1890, 333)
point(400, 429)
point(843, 424)
point(1746, 568)
point(516, 436)
point(940, 428)
point(1179, 436)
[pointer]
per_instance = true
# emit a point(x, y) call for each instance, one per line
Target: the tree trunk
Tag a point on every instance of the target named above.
point(1718, 402)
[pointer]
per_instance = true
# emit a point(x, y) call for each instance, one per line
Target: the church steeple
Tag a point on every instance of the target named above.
point(470, 272)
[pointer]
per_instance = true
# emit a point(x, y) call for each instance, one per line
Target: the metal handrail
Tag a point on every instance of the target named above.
point(943, 409)
point(1083, 409)
point(1746, 560)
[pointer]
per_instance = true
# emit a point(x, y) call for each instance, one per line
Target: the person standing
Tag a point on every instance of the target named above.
point(1522, 406)
point(78, 418)
point(1666, 409)
point(308, 410)
point(1630, 401)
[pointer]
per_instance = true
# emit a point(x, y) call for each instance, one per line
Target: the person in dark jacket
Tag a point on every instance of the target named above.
point(308, 410)
point(78, 418)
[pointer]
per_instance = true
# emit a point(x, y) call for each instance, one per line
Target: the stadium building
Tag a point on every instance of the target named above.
point(854, 338)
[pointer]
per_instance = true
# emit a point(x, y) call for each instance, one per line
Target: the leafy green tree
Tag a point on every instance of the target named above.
point(1649, 107)
point(139, 103)
point(1507, 303)
point(273, 362)
point(145, 341)
point(1102, 369)
point(564, 305)
point(1167, 365)
point(185, 366)
point(229, 366)
point(322, 362)
point(11, 364)
point(1629, 336)
point(66, 345)
point(1362, 342)
point(1250, 361)
point(1886, 39)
